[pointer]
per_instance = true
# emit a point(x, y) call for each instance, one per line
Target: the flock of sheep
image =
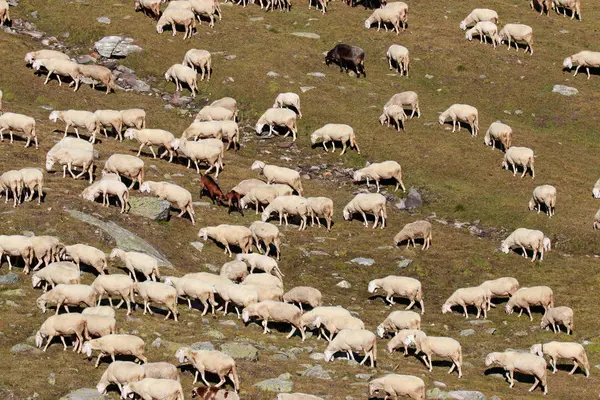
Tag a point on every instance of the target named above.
point(261, 296)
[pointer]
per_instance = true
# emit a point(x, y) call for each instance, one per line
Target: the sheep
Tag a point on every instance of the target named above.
point(100, 74)
point(303, 294)
point(46, 249)
point(543, 5)
point(296, 396)
point(108, 187)
point(262, 262)
point(119, 284)
point(524, 238)
point(228, 103)
point(193, 289)
point(102, 311)
point(213, 279)
point(557, 316)
point(98, 325)
point(479, 15)
point(18, 122)
point(501, 287)
point(263, 279)
point(181, 4)
point(265, 292)
point(61, 325)
point(111, 345)
point(395, 114)
point(268, 234)
point(120, 373)
point(414, 230)
point(180, 73)
point(519, 156)
point(398, 340)
point(321, 314)
point(45, 54)
point(484, 30)
point(12, 182)
point(59, 68)
point(439, 346)
point(234, 270)
point(587, 59)
point(244, 187)
point(33, 178)
point(157, 292)
point(573, 5)
point(208, 8)
point(176, 195)
point(399, 320)
point(214, 113)
point(470, 296)
point(350, 340)
point(334, 324)
point(134, 118)
point(523, 363)
point(67, 295)
point(212, 361)
point(498, 132)
point(373, 203)
point(526, 297)
point(240, 295)
point(403, 99)
point(286, 205)
point(150, 388)
point(289, 100)
point(4, 12)
point(210, 393)
point(137, 262)
point(321, 207)
point(200, 151)
point(461, 113)
point(543, 195)
point(87, 254)
point(150, 137)
point(130, 167)
point(161, 370)
point(195, 58)
point(570, 351)
point(517, 33)
point(202, 130)
point(387, 16)
point(394, 385)
point(282, 117)
point(335, 133)
point(148, 7)
point(56, 273)
point(17, 246)
point(176, 17)
point(276, 174)
point(231, 131)
point(228, 235)
point(78, 119)
point(1, 95)
point(399, 286)
point(277, 312)
point(261, 195)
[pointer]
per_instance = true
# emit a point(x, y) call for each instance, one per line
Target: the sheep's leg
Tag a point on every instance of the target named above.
point(575, 366)
point(48, 77)
point(588, 72)
point(529, 312)
point(152, 151)
point(343, 148)
point(536, 382)
point(464, 307)
point(292, 332)
point(452, 367)
point(266, 329)
point(203, 376)
point(98, 360)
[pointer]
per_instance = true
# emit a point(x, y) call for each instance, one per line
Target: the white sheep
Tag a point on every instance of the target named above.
point(303, 295)
point(573, 5)
point(276, 174)
point(261, 262)
point(137, 262)
point(244, 187)
point(372, 203)
point(266, 292)
point(213, 279)
point(322, 313)
point(523, 363)
point(4, 12)
point(519, 157)
point(82, 253)
point(351, 340)
point(229, 103)
point(461, 113)
point(288, 99)
point(44, 54)
point(212, 361)
point(150, 388)
point(152, 137)
point(288, 205)
point(335, 133)
point(413, 230)
point(524, 239)
point(398, 54)
point(239, 295)
point(395, 114)
point(215, 113)
point(62, 325)
point(277, 312)
point(517, 33)
point(108, 187)
point(484, 30)
point(543, 195)
point(148, 7)
point(208, 8)
point(134, 118)
point(395, 385)
point(387, 16)
point(231, 131)
point(56, 273)
point(17, 246)
point(111, 345)
point(161, 370)
point(78, 119)
point(526, 297)
point(111, 285)
point(334, 324)
point(182, 73)
point(131, 167)
point(102, 311)
point(33, 178)
point(439, 346)
point(268, 234)
point(587, 59)
point(399, 320)
point(403, 99)
point(470, 296)
point(567, 350)
point(200, 151)
point(320, 207)
point(501, 287)
point(203, 130)
point(498, 132)
point(281, 117)
point(176, 195)
point(398, 340)
point(263, 279)
point(120, 373)
point(229, 235)
point(478, 15)
point(99, 73)
point(261, 195)
point(11, 182)
point(67, 295)
point(557, 316)
point(111, 119)
point(399, 286)
point(59, 68)
point(195, 58)
point(98, 325)
point(177, 16)
point(20, 123)
point(46, 249)
point(234, 270)
point(157, 292)
point(193, 289)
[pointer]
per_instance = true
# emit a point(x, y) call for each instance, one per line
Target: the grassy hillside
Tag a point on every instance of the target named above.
point(460, 178)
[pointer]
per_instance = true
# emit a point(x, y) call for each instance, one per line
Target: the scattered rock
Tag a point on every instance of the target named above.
point(228, 323)
point(316, 74)
point(103, 20)
point(13, 292)
point(150, 207)
point(564, 90)
point(202, 346)
point(34, 14)
point(212, 268)
point(305, 89)
point(256, 19)
point(404, 263)
point(198, 246)
point(317, 253)
point(466, 395)
point(364, 377)
point(317, 372)
point(230, 57)
point(344, 284)
point(9, 279)
point(240, 351)
point(440, 384)
point(412, 201)
point(130, 82)
point(518, 112)
point(282, 384)
point(84, 394)
point(23, 348)
point(428, 76)
point(320, 356)
point(307, 35)
point(85, 59)
point(521, 333)
point(272, 74)
point(213, 333)
point(116, 46)
point(52, 379)
point(480, 322)
point(363, 261)
point(467, 332)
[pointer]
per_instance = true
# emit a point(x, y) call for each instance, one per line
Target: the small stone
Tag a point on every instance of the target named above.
point(272, 74)
point(103, 20)
point(157, 342)
point(317, 356)
point(344, 284)
point(467, 332)
point(52, 379)
point(564, 31)
point(282, 384)
point(230, 57)
point(307, 35)
point(480, 322)
point(404, 263)
point(34, 14)
point(564, 90)
point(466, 395)
point(363, 261)
point(256, 19)
point(84, 394)
point(23, 348)
point(316, 74)
point(240, 351)
point(47, 108)
point(85, 59)
point(428, 76)
point(412, 201)
point(9, 279)
point(202, 346)
point(305, 89)
point(482, 76)
point(228, 323)
point(518, 112)
point(440, 384)
point(363, 377)
point(198, 246)
point(317, 372)
point(213, 333)
point(521, 333)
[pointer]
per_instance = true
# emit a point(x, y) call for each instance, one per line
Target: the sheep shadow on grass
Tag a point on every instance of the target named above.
point(407, 244)
point(459, 124)
point(359, 357)
point(278, 131)
point(471, 311)
point(399, 302)
point(283, 328)
point(292, 220)
point(594, 71)
point(83, 136)
point(519, 377)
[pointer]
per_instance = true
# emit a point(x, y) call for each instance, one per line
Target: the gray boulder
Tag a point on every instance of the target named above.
point(282, 384)
point(565, 90)
point(308, 35)
point(84, 394)
point(240, 351)
point(363, 261)
point(316, 371)
point(116, 46)
point(23, 348)
point(9, 279)
point(412, 201)
point(150, 207)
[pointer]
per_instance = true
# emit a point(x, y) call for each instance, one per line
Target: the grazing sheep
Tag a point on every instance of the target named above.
point(517, 33)
point(126, 165)
point(202, 151)
point(281, 117)
point(181, 73)
point(210, 393)
point(587, 59)
point(394, 385)
point(62, 325)
point(439, 346)
point(373, 203)
point(351, 340)
point(102, 311)
point(228, 103)
point(195, 58)
point(347, 56)
point(148, 7)
point(240, 295)
point(150, 137)
point(519, 156)
point(265, 292)
point(277, 312)
point(11, 182)
point(111, 119)
point(523, 363)
point(207, 8)
point(398, 340)
point(478, 15)
point(286, 205)
point(134, 118)
point(212, 361)
point(46, 249)
point(67, 295)
point(17, 246)
point(570, 351)
point(56, 273)
point(111, 285)
point(268, 234)
point(334, 324)
point(150, 388)
point(4, 12)
point(231, 131)
point(404, 99)
point(59, 68)
point(215, 113)
point(484, 30)
point(78, 119)
point(335, 133)
point(108, 187)
point(261, 262)
point(322, 314)
point(137, 262)
point(395, 114)
point(264, 280)
point(44, 54)
point(557, 316)
point(399, 286)
point(543, 195)
point(320, 207)
point(543, 5)
point(501, 287)
point(120, 373)
point(229, 235)
point(193, 289)
point(81, 253)
point(161, 370)
point(111, 345)
point(177, 16)
point(244, 187)
point(157, 292)
point(203, 130)
point(234, 270)
point(526, 297)
point(99, 326)
point(498, 132)
point(100, 74)
point(461, 113)
point(387, 16)
point(303, 294)
point(399, 320)
point(414, 230)
point(573, 5)
point(176, 195)
point(470, 296)
point(288, 99)
point(276, 174)
point(524, 238)
point(18, 122)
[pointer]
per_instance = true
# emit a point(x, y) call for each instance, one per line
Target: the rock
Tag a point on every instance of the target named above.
point(256, 19)
point(480, 322)
point(317, 372)
point(230, 57)
point(305, 89)
point(150, 207)
point(272, 74)
point(412, 201)
point(521, 333)
point(344, 284)
point(228, 323)
point(157, 342)
point(9, 279)
point(317, 356)
point(85, 394)
point(197, 245)
point(282, 384)
point(124, 239)
point(13, 292)
point(437, 394)
point(240, 351)
point(440, 384)
point(466, 395)
point(85, 59)
point(467, 332)
point(34, 14)
point(316, 74)
point(565, 90)
point(363, 261)
point(307, 35)
point(317, 253)
point(428, 76)
point(23, 348)
point(520, 112)
point(130, 82)
point(47, 108)
point(202, 346)
point(364, 377)
point(103, 20)
point(404, 263)
point(52, 379)
point(213, 333)
point(116, 46)
point(491, 331)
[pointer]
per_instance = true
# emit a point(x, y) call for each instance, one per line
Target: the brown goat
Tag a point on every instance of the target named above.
point(210, 187)
point(231, 198)
point(213, 393)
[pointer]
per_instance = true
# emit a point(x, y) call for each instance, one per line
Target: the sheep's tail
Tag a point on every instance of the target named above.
point(156, 272)
point(191, 208)
point(278, 270)
point(237, 137)
point(374, 352)
point(460, 358)
point(141, 176)
point(236, 378)
point(551, 300)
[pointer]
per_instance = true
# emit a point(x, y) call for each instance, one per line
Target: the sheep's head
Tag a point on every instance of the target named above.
point(381, 331)
point(469, 35)
point(54, 115)
point(159, 27)
point(509, 309)
point(145, 188)
point(531, 204)
point(168, 281)
point(115, 253)
point(383, 119)
point(257, 165)
point(49, 163)
point(203, 233)
point(328, 355)
point(446, 308)
point(568, 63)
point(442, 119)
point(41, 303)
point(245, 315)
point(314, 138)
point(545, 324)
point(175, 144)
point(89, 194)
point(37, 64)
point(101, 387)
point(137, 5)
point(29, 57)
point(504, 247)
point(87, 349)
point(181, 355)
point(35, 281)
point(317, 322)
point(357, 176)
point(130, 133)
point(408, 340)
point(167, 76)
point(368, 23)
point(596, 193)
point(265, 216)
point(126, 392)
point(347, 214)
point(547, 243)
point(258, 128)
point(39, 339)
point(490, 359)
point(463, 25)
point(372, 288)
point(536, 349)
